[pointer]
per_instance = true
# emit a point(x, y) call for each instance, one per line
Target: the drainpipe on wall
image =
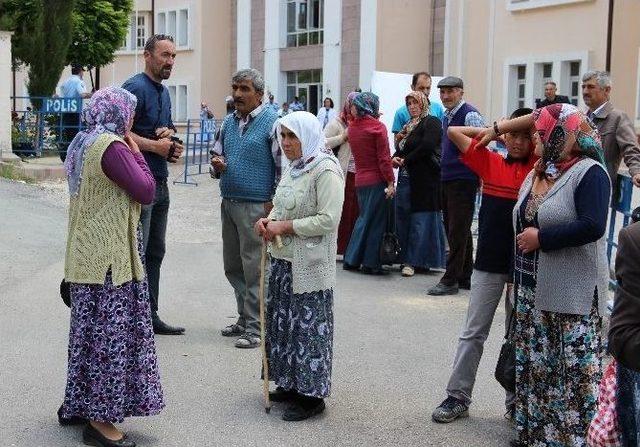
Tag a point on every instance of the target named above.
point(153, 17)
point(609, 35)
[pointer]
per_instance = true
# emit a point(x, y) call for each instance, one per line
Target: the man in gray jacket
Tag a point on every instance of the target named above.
point(617, 132)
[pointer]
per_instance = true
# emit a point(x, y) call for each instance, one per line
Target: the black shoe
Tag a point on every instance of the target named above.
point(450, 410)
point(74, 420)
point(91, 436)
point(282, 395)
point(466, 285)
point(442, 289)
point(162, 328)
point(349, 267)
point(372, 271)
point(301, 409)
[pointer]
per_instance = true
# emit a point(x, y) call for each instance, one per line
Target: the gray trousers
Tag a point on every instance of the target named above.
point(486, 292)
point(241, 252)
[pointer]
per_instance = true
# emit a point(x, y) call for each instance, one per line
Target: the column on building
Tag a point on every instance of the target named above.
point(368, 37)
point(243, 34)
point(332, 51)
point(274, 38)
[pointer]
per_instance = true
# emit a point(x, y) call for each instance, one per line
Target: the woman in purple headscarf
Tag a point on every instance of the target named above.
point(112, 364)
point(338, 141)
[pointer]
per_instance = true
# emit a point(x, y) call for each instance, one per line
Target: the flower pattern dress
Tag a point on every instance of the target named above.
point(558, 363)
point(112, 363)
point(299, 335)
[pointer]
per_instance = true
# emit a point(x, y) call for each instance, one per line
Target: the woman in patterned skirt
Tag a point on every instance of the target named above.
point(306, 213)
point(561, 277)
point(112, 363)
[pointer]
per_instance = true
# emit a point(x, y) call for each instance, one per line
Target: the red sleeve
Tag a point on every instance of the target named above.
point(384, 153)
point(481, 160)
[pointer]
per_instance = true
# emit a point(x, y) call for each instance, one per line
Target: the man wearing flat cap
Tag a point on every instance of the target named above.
point(459, 187)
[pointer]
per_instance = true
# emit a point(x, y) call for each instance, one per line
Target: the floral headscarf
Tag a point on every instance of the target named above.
point(307, 128)
point(367, 103)
point(423, 103)
point(345, 114)
point(567, 135)
point(110, 110)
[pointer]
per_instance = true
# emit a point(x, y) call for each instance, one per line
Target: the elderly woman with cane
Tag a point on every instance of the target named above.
point(113, 368)
point(305, 216)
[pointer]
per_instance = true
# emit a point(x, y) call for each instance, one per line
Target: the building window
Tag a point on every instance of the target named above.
point(574, 82)
point(521, 85)
point(307, 86)
point(179, 102)
point(518, 5)
point(136, 34)
point(305, 22)
point(176, 24)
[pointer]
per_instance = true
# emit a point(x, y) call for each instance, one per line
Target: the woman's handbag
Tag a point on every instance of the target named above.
point(390, 246)
point(506, 367)
point(65, 292)
point(604, 430)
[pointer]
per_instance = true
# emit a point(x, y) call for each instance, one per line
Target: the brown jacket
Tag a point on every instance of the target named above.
point(624, 333)
point(619, 140)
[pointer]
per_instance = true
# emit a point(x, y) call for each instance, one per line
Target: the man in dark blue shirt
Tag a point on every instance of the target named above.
point(152, 130)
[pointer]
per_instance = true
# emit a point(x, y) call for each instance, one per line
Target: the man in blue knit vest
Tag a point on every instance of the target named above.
point(248, 162)
point(459, 187)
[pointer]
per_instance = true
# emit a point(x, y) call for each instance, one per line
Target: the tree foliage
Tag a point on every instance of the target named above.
point(99, 28)
point(41, 39)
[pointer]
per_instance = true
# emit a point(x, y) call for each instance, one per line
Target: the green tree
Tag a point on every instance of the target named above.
point(99, 28)
point(42, 34)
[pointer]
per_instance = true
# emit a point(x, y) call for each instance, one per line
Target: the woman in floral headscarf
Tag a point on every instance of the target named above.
point(374, 184)
point(418, 209)
point(561, 277)
point(112, 364)
point(338, 141)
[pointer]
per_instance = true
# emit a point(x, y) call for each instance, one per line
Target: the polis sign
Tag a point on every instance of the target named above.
point(62, 105)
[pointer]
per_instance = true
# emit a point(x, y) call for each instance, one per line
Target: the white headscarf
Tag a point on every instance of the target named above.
point(307, 128)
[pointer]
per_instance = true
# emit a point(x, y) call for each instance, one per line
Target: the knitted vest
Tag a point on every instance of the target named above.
point(567, 277)
point(314, 258)
point(250, 172)
point(451, 166)
point(103, 222)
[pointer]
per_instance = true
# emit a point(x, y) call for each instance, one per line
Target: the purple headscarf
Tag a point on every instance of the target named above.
point(110, 110)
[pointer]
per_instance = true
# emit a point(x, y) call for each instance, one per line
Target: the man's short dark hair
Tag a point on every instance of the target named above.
point(76, 69)
point(551, 82)
point(150, 45)
point(522, 111)
point(417, 76)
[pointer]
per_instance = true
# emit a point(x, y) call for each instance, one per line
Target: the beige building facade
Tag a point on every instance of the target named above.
point(503, 49)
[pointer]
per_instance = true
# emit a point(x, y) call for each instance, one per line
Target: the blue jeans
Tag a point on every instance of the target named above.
point(154, 229)
point(364, 245)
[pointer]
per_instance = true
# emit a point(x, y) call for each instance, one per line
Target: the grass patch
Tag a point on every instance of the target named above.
point(11, 172)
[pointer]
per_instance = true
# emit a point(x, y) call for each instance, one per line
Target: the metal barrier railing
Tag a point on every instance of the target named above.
point(44, 124)
point(198, 141)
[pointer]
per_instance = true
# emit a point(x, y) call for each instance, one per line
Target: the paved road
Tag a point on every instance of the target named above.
point(393, 346)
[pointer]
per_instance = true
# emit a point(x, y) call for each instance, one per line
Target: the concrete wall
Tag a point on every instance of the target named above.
point(301, 58)
point(257, 34)
point(215, 69)
point(404, 35)
point(625, 57)
point(5, 87)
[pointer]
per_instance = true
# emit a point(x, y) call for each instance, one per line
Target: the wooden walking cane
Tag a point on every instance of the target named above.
point(265, 362)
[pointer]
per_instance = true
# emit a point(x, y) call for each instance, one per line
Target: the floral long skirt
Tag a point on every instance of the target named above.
point(558, 368)
point(112, 364)
point(299, 335)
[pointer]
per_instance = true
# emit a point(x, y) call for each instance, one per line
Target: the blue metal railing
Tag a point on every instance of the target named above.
point(198, 141)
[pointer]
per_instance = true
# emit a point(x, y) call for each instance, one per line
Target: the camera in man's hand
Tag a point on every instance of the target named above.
point(175, 150)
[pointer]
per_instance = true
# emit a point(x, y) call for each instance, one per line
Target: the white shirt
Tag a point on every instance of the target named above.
point(325, 116)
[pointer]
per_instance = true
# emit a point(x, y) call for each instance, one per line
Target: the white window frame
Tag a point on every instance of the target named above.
point(161, 25)
point(521, 5)
point(560, 75)
point(130, 42)
point(178, 115)
point(308, 30)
